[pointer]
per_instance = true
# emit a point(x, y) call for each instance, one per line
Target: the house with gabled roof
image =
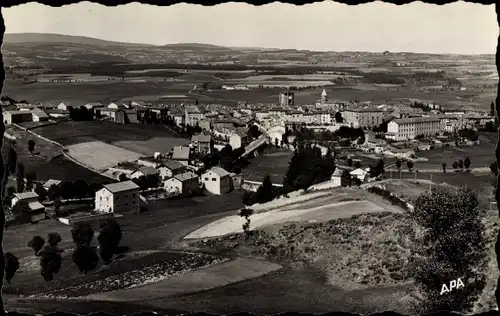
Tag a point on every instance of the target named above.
point(120, 197)
point(217, 181)
point(184, 184)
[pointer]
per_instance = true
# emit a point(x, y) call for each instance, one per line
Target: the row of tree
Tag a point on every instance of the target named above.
point(460, 164)
point(85, 256)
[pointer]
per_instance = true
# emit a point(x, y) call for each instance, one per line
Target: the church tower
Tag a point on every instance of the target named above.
point(324, 96)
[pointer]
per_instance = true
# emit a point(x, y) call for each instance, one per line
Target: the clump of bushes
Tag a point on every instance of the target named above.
point(389, 196)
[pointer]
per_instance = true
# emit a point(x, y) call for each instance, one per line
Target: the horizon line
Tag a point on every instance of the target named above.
point(247, 47)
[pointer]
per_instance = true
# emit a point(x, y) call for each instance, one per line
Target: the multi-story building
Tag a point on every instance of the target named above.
point(409, 128)
point(217, 181)
point(364, 117)
point(118, 197)
point(185, 184)
point(286, 98)
point(294, 116)
point(193, 115)
point(451, 123)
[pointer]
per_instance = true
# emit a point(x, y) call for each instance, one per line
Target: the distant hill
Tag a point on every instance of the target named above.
point(196, 46)
point(46, 38)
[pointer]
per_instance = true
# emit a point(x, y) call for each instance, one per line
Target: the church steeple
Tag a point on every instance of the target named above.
point(324, 96)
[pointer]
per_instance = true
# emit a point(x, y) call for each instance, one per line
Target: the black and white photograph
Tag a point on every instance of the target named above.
point(237, 158)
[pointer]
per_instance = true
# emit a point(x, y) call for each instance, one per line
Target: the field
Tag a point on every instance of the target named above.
point(274, 163)
point(481, 155)
point(47, 160)
point(99, 155)
point(43, 153)
point(166, 222)
point(142, 138)
point(481, 183)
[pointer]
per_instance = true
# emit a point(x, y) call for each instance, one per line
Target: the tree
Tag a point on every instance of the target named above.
point(31, 146)
point(85, 258)
point(492, 109)
point(349, 162)
point(11, 266)
point(455, 165)
point(338, 117)
point(345, 179)
point(40, 190)
point(410, 165)
point(249, 198)
point(494, 168)
point(36, 243)
point(80, 189)
point(109, 239)
point(50, 262)
point(20, 178)
point(12, 160)
point(82, 234)
point(451, 245)
point(357, 165)
point(467, 163)
point(246, 213)
point(122, 177)
point(265, 191)
point(276, 143)
point(398, 165)
point(53, 239)
point(444, 166)
point(461, 164)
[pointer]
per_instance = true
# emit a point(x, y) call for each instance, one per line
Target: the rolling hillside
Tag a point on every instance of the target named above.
point(45, 38)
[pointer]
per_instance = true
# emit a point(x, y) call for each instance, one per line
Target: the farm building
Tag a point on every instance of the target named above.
point(118, 197)
point(64, 106)
point(94, 219)
point(117, 115)
point(361, 174)
point(50, 183)
point(57, 113)
point(217, 181)
point(184, 184)
point(144, 171)
point(27, 197)
point(170, 168)
point(13, 117)
point(39, 115)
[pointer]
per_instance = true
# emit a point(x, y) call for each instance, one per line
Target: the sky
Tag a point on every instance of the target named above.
point(459, 27)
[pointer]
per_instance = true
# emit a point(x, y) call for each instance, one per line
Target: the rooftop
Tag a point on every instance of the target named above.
point(219, 171)
point(185, 176)
point(414, 120)
point(26, 195)
point(181, 153)
point(121, 186)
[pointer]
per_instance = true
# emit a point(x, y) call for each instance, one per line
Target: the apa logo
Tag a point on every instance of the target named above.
point(454, 284)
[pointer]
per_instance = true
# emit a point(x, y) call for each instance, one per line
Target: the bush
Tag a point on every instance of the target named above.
point(36, 243)
point(11, 266)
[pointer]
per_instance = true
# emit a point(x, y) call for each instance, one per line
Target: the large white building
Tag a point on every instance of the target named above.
point(118, 197)
point(409, 128)
point(363, 117)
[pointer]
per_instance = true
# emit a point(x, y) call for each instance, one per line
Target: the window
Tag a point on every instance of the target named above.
point(133, 202)
point(213, 179)
point(133, 195)
point(206, 178)
point(117, 198)
point(126, 204)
